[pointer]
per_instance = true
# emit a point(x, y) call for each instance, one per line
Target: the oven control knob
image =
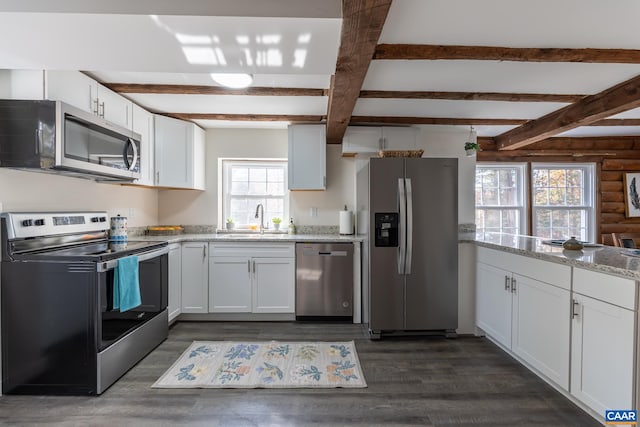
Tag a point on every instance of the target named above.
point(103, 219)
point(39, 222)
point(27, 222)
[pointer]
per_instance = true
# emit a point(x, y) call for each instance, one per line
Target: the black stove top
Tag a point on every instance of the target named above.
point(97, 251)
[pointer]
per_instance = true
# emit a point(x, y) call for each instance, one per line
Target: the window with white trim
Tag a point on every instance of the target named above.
point(247, 183)
point(563, 201)
point(500, 198)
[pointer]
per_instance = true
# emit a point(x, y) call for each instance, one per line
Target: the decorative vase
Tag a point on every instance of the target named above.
point(471, 153)
point(229, 226)
point(572, 244)
point(276, 226)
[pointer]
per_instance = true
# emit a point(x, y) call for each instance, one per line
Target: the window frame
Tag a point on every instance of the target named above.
point(522, 181)
point(589, 191)
point(225, 196)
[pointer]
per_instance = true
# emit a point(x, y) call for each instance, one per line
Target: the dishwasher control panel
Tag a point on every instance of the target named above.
point(386, 232)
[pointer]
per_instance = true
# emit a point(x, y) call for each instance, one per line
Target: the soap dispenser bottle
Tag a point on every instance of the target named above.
point(292, 227)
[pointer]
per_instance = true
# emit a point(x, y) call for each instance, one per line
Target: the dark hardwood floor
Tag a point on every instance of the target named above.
point(411, 381)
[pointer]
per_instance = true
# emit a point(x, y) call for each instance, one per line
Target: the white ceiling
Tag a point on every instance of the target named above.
point(294, 43)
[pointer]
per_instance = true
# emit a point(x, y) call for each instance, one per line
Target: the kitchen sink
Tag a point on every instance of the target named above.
point(256, 236)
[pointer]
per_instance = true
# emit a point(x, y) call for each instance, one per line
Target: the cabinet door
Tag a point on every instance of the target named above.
point(273, 285)
point(602, 354)
point(172, 152)
point(175, 280)
point(195, 278)
point(114, 107)
point(74, 88)
point(399, 138)
point(541, 325)
point(307, 157)
point(230, 284)
point(493, 303)
point(143, 124)
point(197, 166)
point(362, 139)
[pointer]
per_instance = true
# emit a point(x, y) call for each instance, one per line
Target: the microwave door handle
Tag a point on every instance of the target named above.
point(135, 154)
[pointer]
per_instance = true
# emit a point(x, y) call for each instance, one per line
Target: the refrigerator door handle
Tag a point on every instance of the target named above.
point(402, 245)
point(409, 240)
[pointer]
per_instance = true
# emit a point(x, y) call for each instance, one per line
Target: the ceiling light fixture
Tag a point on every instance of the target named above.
point(233, 80)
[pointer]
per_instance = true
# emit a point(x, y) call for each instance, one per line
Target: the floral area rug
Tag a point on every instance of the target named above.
point(227, 364)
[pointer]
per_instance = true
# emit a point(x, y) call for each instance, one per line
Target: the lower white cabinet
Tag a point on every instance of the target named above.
point(527, 316)
point(603, 341)
point(195, 277)
point(175, 280)
point(251, 279)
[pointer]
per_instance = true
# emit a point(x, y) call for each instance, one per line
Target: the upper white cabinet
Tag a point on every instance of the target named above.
point(371, 139)
point(143, 125)
point(307, 157)
point(71, 87)
point(179, 154)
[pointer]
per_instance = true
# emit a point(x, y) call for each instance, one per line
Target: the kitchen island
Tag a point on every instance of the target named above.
point(569, 316)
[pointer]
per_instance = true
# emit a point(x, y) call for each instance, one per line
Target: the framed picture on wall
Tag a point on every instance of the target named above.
point(632, 194)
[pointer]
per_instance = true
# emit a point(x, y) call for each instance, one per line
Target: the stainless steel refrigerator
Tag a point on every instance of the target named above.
point(408, 213)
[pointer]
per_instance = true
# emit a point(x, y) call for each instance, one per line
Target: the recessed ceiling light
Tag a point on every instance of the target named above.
point(233, 80)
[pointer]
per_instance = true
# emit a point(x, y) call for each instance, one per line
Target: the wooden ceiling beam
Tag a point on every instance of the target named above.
point(471, 96)
point(362, 22)
point(499, 53)
point(622, 97)
point(247, 117)
point(435, 121)
point(212, 90)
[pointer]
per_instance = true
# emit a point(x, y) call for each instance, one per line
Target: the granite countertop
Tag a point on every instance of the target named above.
point(606, 259)
point(252, 237)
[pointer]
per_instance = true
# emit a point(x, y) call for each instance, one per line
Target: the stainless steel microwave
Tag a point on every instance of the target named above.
point(51, 136)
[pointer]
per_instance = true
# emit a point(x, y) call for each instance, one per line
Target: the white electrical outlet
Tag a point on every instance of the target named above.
point(1, 210)
point(132, 212)
point(313, 212)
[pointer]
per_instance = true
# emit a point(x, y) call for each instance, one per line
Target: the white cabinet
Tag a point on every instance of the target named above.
point(175, 281)
point(143, 125)
point(230, 286)
point(195, 277)
point(370, 139)
point(522, 303)
point(71, 87)
point(307, 157)
point(252, 278)
point(179, 154)
point(603, 341)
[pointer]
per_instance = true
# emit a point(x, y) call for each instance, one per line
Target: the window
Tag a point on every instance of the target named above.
point(562, 201)
point(245, 184)
point(500, 201)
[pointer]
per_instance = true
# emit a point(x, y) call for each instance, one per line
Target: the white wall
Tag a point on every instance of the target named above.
point(448, 141)
point(33, 191)
point(201, 207)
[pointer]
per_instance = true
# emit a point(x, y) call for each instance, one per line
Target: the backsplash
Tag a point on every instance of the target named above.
point(466, 228)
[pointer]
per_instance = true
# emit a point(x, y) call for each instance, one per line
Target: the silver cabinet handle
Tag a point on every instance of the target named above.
point(507, 283)
point(574, 309)
point(513, 285)
point(249, 266)
point(101, 106)
point(254, 267)
point(380, 144)
point(158, 177)
point(204, 252)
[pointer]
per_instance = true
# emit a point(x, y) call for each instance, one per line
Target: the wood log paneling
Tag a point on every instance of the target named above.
point(611, 176)
point(612, 207)
point(621, 165)
point(609, 196)
point(620, 228)
point(617, 186)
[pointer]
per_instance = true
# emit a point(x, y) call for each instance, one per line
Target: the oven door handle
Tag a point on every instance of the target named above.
point(144, 256)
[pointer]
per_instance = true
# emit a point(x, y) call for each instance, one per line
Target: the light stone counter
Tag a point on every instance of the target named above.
point(250, 237)
point(606, 259)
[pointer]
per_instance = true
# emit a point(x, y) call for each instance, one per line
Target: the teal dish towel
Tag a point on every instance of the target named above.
point(126, 285)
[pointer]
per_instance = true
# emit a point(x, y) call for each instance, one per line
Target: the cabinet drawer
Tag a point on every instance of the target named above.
point(544, 271)
point(270, 250)
point(605, 287)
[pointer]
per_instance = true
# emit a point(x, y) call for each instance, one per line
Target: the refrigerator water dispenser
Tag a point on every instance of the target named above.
point(386, 229)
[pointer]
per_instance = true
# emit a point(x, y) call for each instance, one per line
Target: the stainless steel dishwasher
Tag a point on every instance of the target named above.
point(324, 280)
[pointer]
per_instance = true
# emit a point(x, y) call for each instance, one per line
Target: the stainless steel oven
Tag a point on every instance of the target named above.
point(60, 332)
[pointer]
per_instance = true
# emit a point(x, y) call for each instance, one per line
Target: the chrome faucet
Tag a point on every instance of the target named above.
point(260, 214)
